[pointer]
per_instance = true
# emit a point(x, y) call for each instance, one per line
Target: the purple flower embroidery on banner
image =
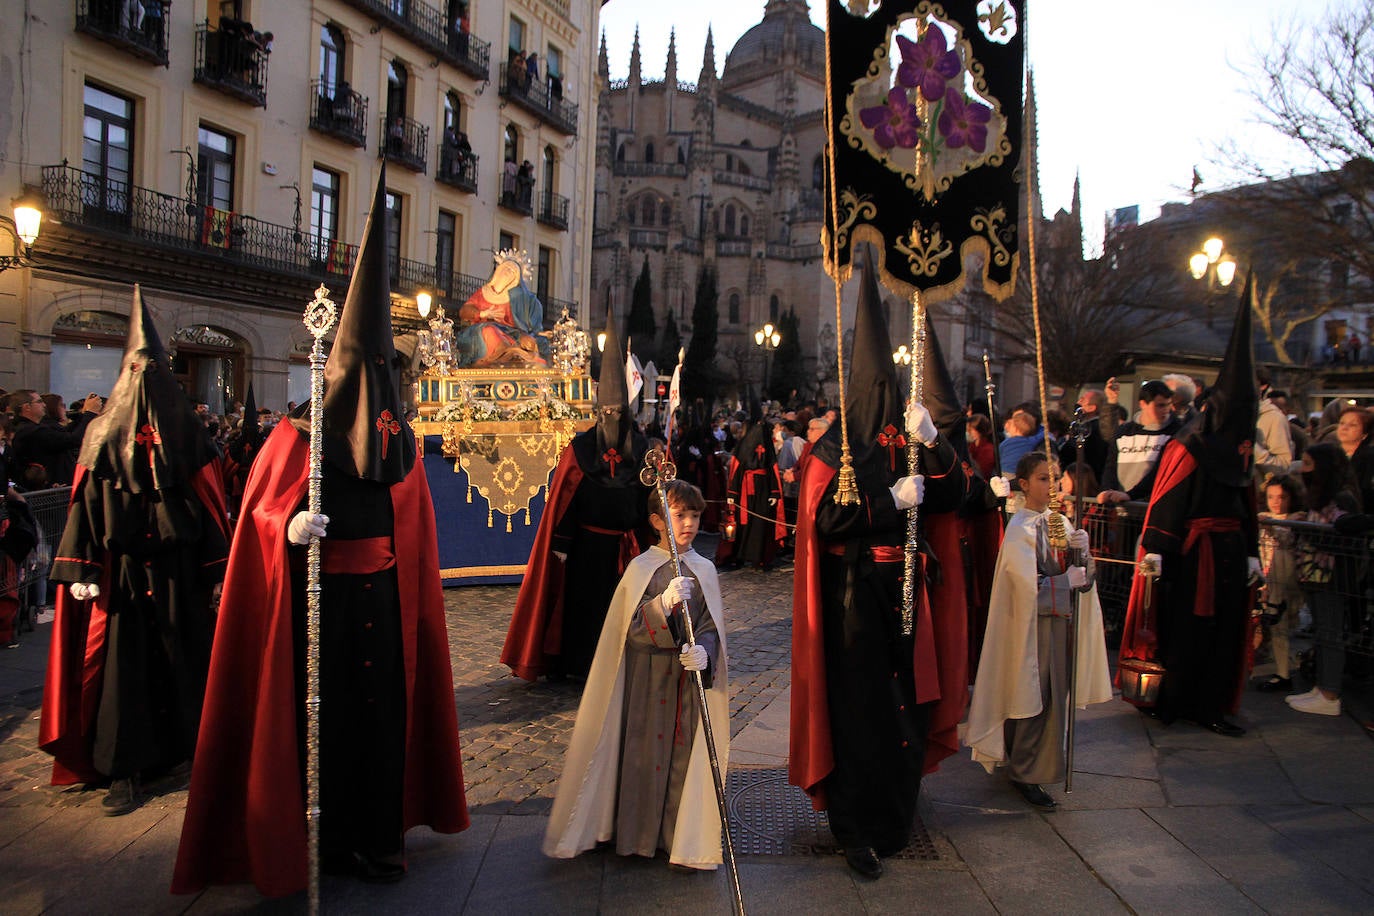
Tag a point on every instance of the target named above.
point(894, 123)
point(927, 63)
point(963, 122)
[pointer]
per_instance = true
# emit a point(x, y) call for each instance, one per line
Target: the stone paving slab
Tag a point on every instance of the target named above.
point(1338, 837)
point(1221, 777)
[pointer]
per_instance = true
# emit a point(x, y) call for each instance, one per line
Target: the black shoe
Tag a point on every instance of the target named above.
point(1224, 728)
point(1273, 683)
point(1035, 795)
point(864, 861)
point(121, 798)
point(369, 869)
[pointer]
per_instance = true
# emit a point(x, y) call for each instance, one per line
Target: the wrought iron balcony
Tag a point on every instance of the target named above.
point(138, 28)
point(517, 193)
point(405, 141)
point(542, 99)
point(649, 238)
point(733, 248)
point(553, 210)
point(231, 61)
point(339, 112)
point(457, 168)
point(650, 169)
point(428, 28)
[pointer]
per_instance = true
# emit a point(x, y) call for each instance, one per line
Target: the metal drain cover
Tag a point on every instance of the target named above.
point(771, 818)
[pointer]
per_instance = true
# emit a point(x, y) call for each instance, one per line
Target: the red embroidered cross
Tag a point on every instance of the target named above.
point(149, 437)
point(759, 450)
point(612, 458)
point(388, 427)
point(1246, 448)
point(891, 439)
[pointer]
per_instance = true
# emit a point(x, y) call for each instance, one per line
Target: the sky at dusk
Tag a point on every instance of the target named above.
point(1131, 95)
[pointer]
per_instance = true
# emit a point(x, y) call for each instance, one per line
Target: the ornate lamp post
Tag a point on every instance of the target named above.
point(436, 344)
point(23, 229)
point(1210, 262)
point(768, 338)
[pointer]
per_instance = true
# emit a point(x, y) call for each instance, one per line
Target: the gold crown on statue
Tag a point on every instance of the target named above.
point(521, 258)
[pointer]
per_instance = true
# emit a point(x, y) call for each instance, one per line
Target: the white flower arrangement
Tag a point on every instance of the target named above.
point(481, 411)
point(558, 410)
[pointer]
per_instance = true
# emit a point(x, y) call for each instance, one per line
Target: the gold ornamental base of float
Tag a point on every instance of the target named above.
point(508, 462)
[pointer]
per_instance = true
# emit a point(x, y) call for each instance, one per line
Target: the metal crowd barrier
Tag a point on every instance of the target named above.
point(28, 579)
point(1330, 563)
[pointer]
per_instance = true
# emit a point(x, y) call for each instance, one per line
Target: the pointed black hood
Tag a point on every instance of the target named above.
point(939, 396)
point(365, 431)
point(252, 428)
point(149, 436)
point(612, 391)
point(1222, 436)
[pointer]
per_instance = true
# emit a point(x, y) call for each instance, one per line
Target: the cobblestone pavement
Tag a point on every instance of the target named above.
point(513, 732)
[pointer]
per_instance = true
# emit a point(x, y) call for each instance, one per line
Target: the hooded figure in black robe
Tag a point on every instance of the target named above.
point(596, 519)
point(754, 498)
point(861, 690)
point(1202, 535)
point(144, 547)
point(240, 452)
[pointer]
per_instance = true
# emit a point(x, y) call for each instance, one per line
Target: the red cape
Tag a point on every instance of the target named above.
point(76, 653)
point(811, 755)
point(536, 625)
point(948, 601)
point(245, 817)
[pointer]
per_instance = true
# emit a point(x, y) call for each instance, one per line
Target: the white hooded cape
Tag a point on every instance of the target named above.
point(584, 806)
point(1008, 683)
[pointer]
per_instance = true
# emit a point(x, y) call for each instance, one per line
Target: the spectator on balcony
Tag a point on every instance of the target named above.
point(531, 71)
point(133, 16)
point(396, 135)
point(508, 182)
point(517, 71)
point(152, 24)
point(1352, 348)
point(524, 181)
point(341, 106)
point(555, 87)
point(457, 151)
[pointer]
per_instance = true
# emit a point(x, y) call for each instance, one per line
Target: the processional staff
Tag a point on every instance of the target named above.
point(1079, 431)
point(657, 472)
point(320, 315)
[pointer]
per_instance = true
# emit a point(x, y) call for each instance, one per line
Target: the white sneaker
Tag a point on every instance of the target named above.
point(1294, 697)
point(1318, 705)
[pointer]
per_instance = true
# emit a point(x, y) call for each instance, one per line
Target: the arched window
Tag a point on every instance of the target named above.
point(549, 162)
point(397, 79)
point(511, 150)
point(818, 173)
point(730, 220)
point(646, 209)
point(453, 112)
point(665, 214)
point(649, 151)
point(331, 59)
point(743, 224)
point(734, 308)
point(773, 307)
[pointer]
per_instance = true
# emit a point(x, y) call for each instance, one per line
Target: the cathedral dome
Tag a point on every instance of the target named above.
point(786, 24)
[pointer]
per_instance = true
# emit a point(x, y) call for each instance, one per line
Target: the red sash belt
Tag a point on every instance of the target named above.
point(356, 556)
point(612, 532)
point(1200, 532)
point(879, 554)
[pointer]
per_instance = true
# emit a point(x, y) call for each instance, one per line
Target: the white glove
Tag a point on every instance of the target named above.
point(908, 491)
point(1254, 572)
point(1078, 539)
point(1077, 576)
point(694, 658)
point(679, 591)
point(81, 591)
point(1152, 565)
point(919, 423)
point(1001, 487)
point(303, 525)
point(563, 557)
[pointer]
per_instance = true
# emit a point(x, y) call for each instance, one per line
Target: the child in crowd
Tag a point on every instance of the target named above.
point(1282, 594)
point(1018, 715)
point(637, 769)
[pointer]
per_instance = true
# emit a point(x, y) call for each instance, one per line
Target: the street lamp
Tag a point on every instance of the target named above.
point(1210, 262)
point(23, 228)
point(901, 356)
point(768, 338)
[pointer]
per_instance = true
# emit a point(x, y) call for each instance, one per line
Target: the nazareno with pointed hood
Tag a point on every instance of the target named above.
point(365, 430)
point(148, 437)
point(612, 455)
point(252, 428)
point(1221, 437)
point(939, 396)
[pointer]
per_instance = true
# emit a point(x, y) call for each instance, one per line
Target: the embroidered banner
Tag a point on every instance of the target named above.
point(927, 139)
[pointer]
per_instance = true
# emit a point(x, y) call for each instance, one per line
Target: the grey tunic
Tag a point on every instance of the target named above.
point(659, 718)
point(1035, 746)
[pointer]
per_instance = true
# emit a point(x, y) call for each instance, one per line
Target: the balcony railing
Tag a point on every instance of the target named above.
point(428, 28)
point(542, 99)
point(339, 112)
point(648, 238)
point(457, 168)
point(138, 28)
point(743, 181)
point(553, 210)
point(779, 252)
point(405, 142)
point(650, 169)
point(733, 248)
point(232, 62)
point(517, 193)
